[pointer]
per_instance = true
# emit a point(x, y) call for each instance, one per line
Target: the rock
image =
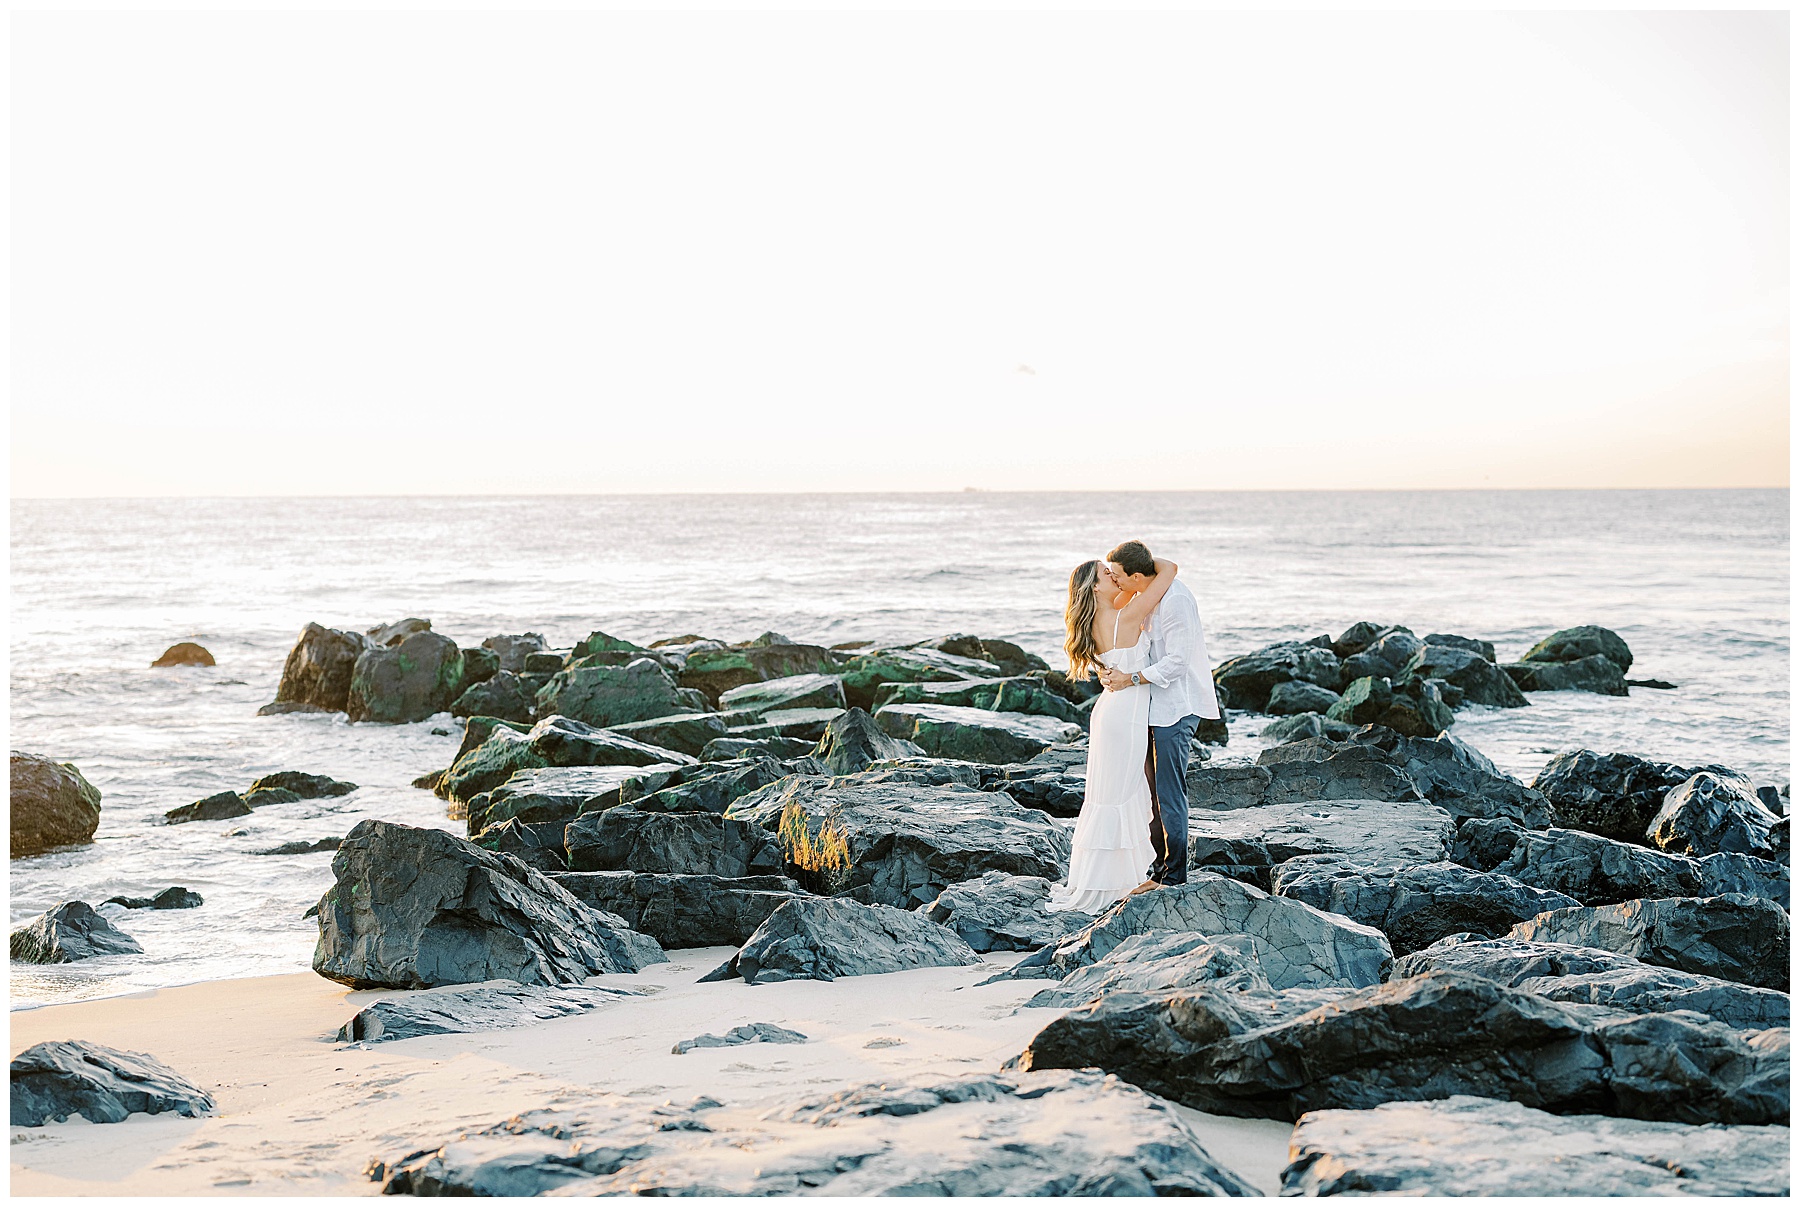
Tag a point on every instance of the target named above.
point(1201, 1048)
point(1247, 681)
point(1613, 795)
point(1048, 789)
point(1657, 684)
point(1300, 947)
point(780, 749)
point(54, 1081)
point(513, 648)
point(504, 694)
point(52, 805)
point(217, 807)
point(270, 796)
point(1076, 693)
point(1708, 813)
point(475, 1008)
point(1020, 694)
point(701, 844)
point(795, 691)
point(864, 674)
point(615, 695)
point(537, 846)
point(1480, 681)
point(1483, 649)
point(1248, 843)
point(416, 908)
point(1303, 725)
point(1416, 906)
point(752, 1033)
point(1008, 1135)
point(1566, 973)
point(557, 795)
point(1733, 937)
point(1583, 641)
point(853, 741)
point(406, 681)
point(68, 932)
point(304, 785)
point(708, 788)
point(384, 635)
point(908, 838)
point(1298, 696)
point(541, 664)
point(479, 665)
point(1216, 788)
point(1384, 657)
point(823, 938)
point(185, 653)
point(999, 912)
point(687, 732)
point(684, 910)
point(1010, 658)
point(1322, 770)
point(715, 671)
point(805, 723)
point(1357, 638)
point(974, 734)
point(319, 668)
point(555, 741)
point(477, 730)
point(1458, 778)
point(1466, 1145)
point(302, 847)
point(1417, 711)
point(1596, 673)
point(170, 898)
point(1160, 960)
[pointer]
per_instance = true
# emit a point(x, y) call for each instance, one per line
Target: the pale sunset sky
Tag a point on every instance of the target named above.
point(504, 253)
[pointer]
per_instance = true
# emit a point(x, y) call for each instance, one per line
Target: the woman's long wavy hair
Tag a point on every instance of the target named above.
point(1078, 618)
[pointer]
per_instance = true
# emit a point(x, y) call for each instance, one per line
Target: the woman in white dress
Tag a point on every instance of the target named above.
point(1112, 852)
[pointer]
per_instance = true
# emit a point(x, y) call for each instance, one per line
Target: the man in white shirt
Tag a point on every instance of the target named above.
point(1181, 693)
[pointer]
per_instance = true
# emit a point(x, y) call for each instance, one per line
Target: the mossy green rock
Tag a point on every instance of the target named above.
point(865, 674)
point(492, 763)
point(717, 671)
point(604, 643)
point(617, 695)
point(1372, 700)
point(794, 691)
point(1582, 641)
point(504, 694)
point(1480, 681)
point(420, 676)
point(974, 734)
point(1018, 694)
point(1596, 673)
point(688, 732)
point(554, 741)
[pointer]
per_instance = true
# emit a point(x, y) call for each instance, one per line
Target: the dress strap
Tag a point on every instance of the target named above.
point(1117, 617)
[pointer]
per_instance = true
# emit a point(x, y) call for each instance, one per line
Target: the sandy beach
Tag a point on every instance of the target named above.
point(301, 1114)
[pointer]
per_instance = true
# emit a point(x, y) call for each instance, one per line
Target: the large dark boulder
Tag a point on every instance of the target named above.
point(1320, 770)
point(68, 932)
point(55, 1081)
point(1020, 694)
point(1008, 656)
point(535, 844)
point(1357, 638)
point(479, 665)
point(1246, 681)
point(1415, 906)
point(823, 938)
point(1582, 641)
point(1055, 782)
point(980, 1134)
point(865, 673)
point(1566, 973)
point(1303, 725)
point(173, 897)
point(416, 908)
point(1159, 961)
point(415, 678)
point(218, 807)
point(714, 671)
point(1480, 681)
point(1466, 1145)
point(555, 741)
point(1383, 657)
point(303, 784)
point(52, 805)
point(1458, 778)
point(505, 694)
point(319, 668)
point(709, 787)
point(1708, 813)
point(1417, 709)
point(999, 912)
point(687, 732)
point(853, 742)
point(1473, 644)
point(1249, 843)
point(909, 838)
point(477, 1008)
point(728, 749)
point(640, 690)
point(974, 734)
point(701, 844)
point(683, 910)
point(514, 648)
point(1613, 795)
point(1597, 674)
point(554, 795)
point(795, 691)
point(1733, 937)
point(1298, 696)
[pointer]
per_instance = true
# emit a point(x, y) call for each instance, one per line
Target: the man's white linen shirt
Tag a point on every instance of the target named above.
point(1180, 677)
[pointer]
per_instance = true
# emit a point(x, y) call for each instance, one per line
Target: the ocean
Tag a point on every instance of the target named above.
point(1695, 581)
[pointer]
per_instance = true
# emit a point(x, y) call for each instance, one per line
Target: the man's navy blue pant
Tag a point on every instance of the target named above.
point(1166, 768)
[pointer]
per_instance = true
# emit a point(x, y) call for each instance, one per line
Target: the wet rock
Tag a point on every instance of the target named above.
point(1249, 843)
point(1596, 674)
point(1158, 961)
point(1734, 937)
point(185, 653)
point(304, 785)
point(1300, 947)
point(1013, 1135)
point(751, 1033)
point(479, 665)
point(383, 635)
point(627, 839)
point(557, 795)
point(52, 805)
point(170, 898)
point(1583, 641)
point(780, 749)
point(1466, 1145)
point(512, 648)
point(540, 665)
point(1416, 711)
point(1322, 770)
point(55, 1081)
point(318, 670)
point(1416, 906)
point(1482, 649)
point(687, 732)
point(1247, 681)
point(555, 741)
point(708, 788)
point(1708, 813)
point(682, 910)
point(823, 938)
point(604, 696)
point(257, 799)
point(217, 807)
point(302, 847)
point(474, 1008)
point(1383, 657)
point(853, 741)
point(795, 691)
point(974, 734)
point(1458, 778)
point(806, 723)
point(1298, 696)
point(1480, 681)
point(909, 838)
point(415, 908)
point(1009, 657)
point(713, 672)
point(1056, 789)
point(1019, 694)
point(504, 694)
point(1303, 725)
point(999, 912)
point(407, 680)
point(1566, 973)
point(68, 932)
point(538, 845)
point(1357, 638)
point(1613, 795)
point(1211, 788)
point(865, 673)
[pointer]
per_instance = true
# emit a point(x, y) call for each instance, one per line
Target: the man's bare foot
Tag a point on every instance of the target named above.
point(1143, 888)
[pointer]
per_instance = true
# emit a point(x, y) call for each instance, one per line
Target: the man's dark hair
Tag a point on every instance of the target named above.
point(1133, 558)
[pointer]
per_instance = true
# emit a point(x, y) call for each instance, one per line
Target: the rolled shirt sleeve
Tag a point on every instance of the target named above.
point(1178, 629)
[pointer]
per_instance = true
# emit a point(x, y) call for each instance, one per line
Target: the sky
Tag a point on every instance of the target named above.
point(518, 253)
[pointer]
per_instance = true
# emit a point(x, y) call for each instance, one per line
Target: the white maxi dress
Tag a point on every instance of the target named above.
point(1112, 852)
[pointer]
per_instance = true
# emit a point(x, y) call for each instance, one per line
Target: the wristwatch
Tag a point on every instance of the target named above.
point(1136, 679)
